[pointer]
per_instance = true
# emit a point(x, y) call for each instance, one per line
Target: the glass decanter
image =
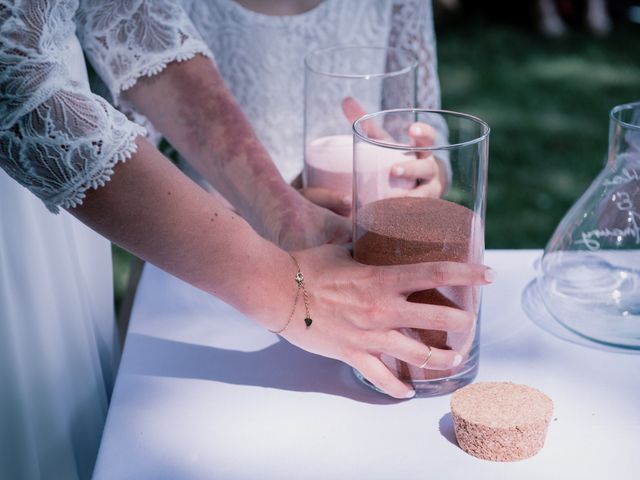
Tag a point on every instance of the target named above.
point(590, 278)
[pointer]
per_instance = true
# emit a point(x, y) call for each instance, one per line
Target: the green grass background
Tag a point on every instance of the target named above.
point(547, 102)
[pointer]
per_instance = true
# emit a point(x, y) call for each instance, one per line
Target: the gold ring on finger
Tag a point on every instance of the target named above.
point(424, 364)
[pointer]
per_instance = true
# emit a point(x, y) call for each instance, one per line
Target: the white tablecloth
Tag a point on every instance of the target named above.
point(203, 393)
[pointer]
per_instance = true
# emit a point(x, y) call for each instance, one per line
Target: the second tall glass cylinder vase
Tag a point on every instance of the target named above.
point(342, 83)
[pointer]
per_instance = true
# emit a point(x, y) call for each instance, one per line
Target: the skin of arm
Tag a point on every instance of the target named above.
point(191, 105)
point(153, 210)
point(150, 208)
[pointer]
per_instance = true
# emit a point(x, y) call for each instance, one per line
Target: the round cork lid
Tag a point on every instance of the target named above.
point(501, 404)
point(501, 421)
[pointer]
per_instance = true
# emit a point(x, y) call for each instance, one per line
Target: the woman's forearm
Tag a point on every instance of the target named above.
point(190, 104)
point(151, 209)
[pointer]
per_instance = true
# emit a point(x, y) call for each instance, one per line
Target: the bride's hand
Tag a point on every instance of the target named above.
point(428, 172)
point(357, 311)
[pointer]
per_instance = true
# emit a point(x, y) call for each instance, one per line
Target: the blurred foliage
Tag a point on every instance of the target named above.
point(121, 273)
point(547, 102)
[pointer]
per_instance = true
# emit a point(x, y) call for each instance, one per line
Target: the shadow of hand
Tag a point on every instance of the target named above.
point(281, 365)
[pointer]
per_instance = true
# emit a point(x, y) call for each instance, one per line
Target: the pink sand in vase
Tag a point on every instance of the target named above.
point(406, 230)
point(329, 164)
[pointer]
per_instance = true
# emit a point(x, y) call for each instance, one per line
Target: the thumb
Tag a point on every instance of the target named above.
point(422, 135)
point(353, 111)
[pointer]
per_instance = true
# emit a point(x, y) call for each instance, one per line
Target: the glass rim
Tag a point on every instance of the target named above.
point(381, 143)
point(413, 62)
point(615, 114)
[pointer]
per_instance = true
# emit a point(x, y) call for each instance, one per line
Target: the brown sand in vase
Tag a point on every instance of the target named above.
point(407, 230)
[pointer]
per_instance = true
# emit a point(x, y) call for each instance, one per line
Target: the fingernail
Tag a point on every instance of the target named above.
point(489, 275)
point(416, 130)
point(398, 171)
point(346, 200)
point(457, 360)
point(410, 394)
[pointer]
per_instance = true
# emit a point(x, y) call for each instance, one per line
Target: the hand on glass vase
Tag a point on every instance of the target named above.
point(359, 311)
point(427, 171)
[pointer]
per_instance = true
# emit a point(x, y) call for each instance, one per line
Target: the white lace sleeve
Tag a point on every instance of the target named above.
point(129, 39)
point(412, 29)
point(56, 137)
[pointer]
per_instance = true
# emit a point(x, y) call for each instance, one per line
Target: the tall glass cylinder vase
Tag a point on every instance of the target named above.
point(342, 83)
point(395, 226)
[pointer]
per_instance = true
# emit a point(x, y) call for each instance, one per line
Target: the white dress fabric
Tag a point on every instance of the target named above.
point(261, 57)
point(58, 347)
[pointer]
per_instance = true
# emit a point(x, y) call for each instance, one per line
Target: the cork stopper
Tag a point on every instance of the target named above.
point(501, 421)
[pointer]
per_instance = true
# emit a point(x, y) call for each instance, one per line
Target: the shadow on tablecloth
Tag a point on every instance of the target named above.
point(446, 428)
point(281, 365)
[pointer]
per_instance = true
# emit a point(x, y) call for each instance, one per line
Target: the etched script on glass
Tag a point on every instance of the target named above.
point(623, 202)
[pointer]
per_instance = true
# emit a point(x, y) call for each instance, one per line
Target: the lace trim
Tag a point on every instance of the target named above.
point(75, 194)
point(412, 29)
point(130, 39)
point(157, 67)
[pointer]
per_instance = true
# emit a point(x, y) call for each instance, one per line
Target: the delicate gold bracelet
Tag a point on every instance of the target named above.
point(299, 278)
